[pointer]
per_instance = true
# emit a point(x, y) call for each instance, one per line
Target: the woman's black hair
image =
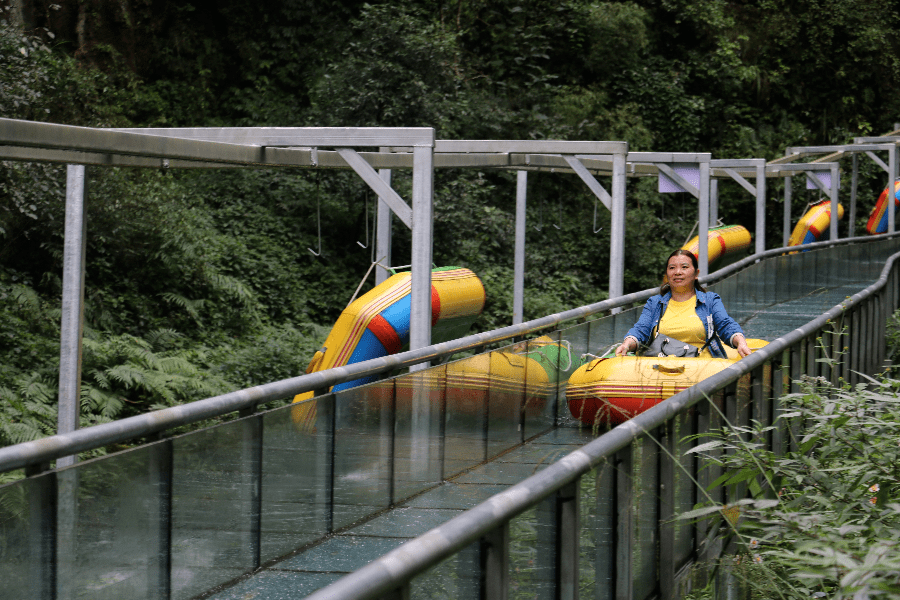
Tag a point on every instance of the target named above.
point(680, 252)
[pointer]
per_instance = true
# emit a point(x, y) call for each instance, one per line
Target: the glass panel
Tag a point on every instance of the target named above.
point(26, 538)
point(549, 360)
point(420, 414)
point(646, 517)
point(466, 414)
point(362, 452)
point(457, 577)
point(296, 475)
point(215, 482)
point(507, 372)
point(532, 552)
point(577, 339)
point(113, 526)
point(597, 534)
point(624, 321)
point(685, 475)
point(602, 335)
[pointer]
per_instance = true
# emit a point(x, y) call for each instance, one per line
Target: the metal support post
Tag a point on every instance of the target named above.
point(835, 186)
point(854, 180)
point(383, 231)
point(788, 188)
point(761, 207)
point(617, 230)
point(892, 166)
point(568, 531)
point(703, 227)
point(422, 230)
point(519, 261)
point(72, 323)
point(713, 202)
point(495, 563)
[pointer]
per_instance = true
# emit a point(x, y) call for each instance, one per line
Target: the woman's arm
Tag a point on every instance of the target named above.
point(726, 327)
point(640, 333)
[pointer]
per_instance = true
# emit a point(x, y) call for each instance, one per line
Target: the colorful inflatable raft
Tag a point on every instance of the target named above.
point(377, 323)
point(721, 240)
point(502, 383)
point(612, 390)
point(878, 217)
point(814, 224)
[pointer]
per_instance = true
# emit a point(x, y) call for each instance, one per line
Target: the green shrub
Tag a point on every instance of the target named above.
point(821, 520)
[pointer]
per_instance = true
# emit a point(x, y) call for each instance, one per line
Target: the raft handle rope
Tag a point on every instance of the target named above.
point(603, 356)
point(366, 276)
point(541, 357)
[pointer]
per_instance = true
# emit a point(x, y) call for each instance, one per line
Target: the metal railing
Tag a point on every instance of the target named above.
point(624, 560)
point(38, 454)
point(178, 517)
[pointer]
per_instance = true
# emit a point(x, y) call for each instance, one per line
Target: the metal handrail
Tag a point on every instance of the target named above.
point(396, 568)
point(44, 450)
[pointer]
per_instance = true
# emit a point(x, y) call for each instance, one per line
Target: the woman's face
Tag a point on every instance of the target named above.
point(681, 274)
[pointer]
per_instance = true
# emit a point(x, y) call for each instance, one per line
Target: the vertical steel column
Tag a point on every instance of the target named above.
point(617, 230)
point(568, 530)
point(835, 186)
point(892, 167)
point(159, 520)
point(625, 541)
point(422, 230)
point(605, 531)
point(669, 461)
point(703, 227)
point(41, 495)
point(788, 189)
point(251, 480)
point(383, 231)
point(761, 207)
point(495, 563)
point(714, 202)
point(72, 323)
point(519, 261)
point(854, 180)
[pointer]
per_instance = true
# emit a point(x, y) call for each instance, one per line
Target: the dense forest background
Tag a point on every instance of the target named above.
point(200, 282)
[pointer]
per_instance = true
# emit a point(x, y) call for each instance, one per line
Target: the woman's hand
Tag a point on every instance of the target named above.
point(625, 347)
point(740, 344)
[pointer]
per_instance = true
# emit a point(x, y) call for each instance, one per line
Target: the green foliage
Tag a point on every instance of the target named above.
point(824, 518)
point(892, 337)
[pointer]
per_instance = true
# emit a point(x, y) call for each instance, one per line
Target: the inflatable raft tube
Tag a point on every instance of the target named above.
point(377, 323)
point(878, 217)
point(814, 224)
point(613, 390)
point(720, 241)
point(503, 384)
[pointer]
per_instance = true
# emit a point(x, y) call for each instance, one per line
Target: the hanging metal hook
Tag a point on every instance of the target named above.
point(318, 219)
point(358, 243)
point(594, 227)
point(559, 214)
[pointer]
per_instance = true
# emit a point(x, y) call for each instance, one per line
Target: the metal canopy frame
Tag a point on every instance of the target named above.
point(832, 154)
point(736, 170)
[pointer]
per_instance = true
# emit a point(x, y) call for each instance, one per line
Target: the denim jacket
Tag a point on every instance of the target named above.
point(709, 304)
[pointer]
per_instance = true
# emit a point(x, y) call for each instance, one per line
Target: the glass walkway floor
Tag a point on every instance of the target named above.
point(354, 547)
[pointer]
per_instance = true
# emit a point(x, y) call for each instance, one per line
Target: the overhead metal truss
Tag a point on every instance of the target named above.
point(374, 152)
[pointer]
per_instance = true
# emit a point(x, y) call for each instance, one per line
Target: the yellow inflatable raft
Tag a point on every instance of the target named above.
point(721, 240)
point(613, 390)
point(814, 224)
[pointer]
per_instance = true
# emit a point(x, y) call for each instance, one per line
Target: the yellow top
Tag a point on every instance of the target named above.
point(681, 322)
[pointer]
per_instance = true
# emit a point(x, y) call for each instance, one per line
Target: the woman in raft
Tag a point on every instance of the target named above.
point(683, 310)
